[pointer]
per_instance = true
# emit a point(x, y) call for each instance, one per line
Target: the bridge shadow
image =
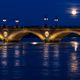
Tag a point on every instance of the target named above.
point(30, 38)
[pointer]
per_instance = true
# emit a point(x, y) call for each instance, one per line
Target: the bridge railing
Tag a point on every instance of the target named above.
point(39, 27)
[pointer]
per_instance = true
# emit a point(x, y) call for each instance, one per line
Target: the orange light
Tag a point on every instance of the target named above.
point(5, 33)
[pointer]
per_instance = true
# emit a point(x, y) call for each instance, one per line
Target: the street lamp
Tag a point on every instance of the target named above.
point(45, 21)
point(17, 22)
point(56, 21)
point(4, 20)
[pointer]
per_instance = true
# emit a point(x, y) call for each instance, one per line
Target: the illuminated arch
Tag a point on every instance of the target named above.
point(1, 37)
point(20, 34)
point(59, 35)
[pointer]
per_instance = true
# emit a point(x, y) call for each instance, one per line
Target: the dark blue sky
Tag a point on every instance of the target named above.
point(31, 12)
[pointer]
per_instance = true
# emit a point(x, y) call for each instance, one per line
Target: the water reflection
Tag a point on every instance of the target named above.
point(73, 62)
point(40, 61)
point(45, 59)
point(4, 55)
point(56, 56)
point(17, 55)
point(4, 51)
point(17, 52)
point(56, 51)
point(17, 62)
point(34, 43)
point(46, 55)
point(75, 45)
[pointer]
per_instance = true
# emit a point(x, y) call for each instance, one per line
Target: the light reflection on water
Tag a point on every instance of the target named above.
point(74, 62)
point(40, 61)
point(75, 45)
point(46, 55)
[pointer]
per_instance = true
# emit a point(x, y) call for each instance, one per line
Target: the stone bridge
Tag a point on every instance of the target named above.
point(45, 34)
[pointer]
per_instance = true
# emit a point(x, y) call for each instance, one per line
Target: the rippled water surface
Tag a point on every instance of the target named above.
point(40, 61)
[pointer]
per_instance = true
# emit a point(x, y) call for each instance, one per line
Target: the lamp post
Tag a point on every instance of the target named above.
point(56, 19)
point(17, 22)
point(4, 20)
point(45, 21)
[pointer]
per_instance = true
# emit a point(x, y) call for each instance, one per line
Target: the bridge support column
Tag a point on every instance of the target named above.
point(46, 40)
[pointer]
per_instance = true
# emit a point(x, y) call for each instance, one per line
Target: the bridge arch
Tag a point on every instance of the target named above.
point(1, 37)
point(61, 34)
point(20, 34)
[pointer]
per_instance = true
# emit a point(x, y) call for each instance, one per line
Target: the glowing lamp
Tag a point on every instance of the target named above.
point(47, 33)
point(5, 33)
point(17, 21)
point(4, 20)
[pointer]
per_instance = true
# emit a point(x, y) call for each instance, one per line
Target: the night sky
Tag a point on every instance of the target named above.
point(32, 12)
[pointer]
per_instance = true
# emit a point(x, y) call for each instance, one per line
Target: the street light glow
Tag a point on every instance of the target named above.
point(56, 20)
point(17, 21)
point(45, 18)
point(4, 20)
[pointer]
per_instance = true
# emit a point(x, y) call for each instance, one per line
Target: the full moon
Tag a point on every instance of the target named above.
point(74, 11)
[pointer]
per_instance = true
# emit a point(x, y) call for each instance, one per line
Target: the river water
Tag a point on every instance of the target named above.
point(40, 61)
